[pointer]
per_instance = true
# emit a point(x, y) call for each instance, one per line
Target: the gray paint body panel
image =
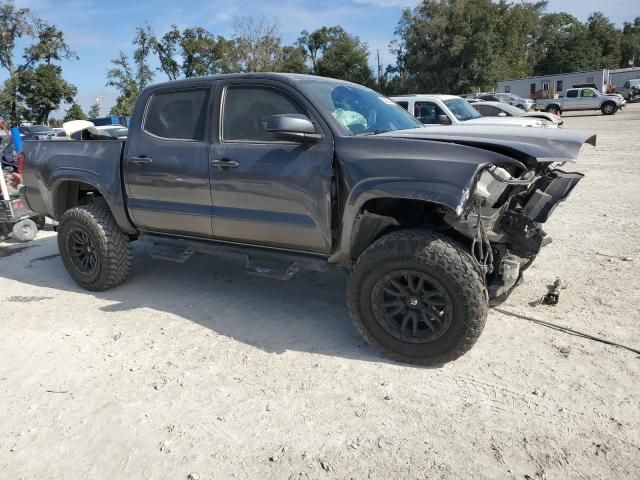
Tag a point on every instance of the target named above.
point(281, 196)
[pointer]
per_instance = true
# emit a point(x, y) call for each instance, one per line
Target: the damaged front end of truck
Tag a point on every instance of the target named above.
point(507, 206)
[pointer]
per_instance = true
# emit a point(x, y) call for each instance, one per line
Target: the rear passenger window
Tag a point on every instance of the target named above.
point(248, 109)
point(488, 111)
point(179, 115)
point(572, 94)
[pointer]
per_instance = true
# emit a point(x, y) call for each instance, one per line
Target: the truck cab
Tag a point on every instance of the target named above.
point(576, 99)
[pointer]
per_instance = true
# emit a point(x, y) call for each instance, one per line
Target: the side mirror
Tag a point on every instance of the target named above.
point(502, 114)
point(293, 127)
point(444, 120)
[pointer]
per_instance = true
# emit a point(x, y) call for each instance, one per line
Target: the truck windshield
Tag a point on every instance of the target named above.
point(357, 110)
point(462, 109)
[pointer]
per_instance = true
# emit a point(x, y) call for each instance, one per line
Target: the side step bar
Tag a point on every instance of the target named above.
point(278, 264)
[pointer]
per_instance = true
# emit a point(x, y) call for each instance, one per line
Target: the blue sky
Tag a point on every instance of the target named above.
point(97, 30)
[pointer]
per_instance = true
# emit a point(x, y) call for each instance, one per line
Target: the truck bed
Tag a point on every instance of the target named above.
point(49, 163)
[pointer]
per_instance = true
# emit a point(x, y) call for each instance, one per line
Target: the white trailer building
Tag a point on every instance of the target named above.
point(619, 76)
point(544, 85)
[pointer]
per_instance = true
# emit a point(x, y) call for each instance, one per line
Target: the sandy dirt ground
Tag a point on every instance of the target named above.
point(198, 371)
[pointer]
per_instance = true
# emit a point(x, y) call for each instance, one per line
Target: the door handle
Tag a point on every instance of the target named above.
point(142, 160)
point(224, 163)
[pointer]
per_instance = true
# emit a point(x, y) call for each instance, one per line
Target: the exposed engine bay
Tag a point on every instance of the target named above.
point(504, 216)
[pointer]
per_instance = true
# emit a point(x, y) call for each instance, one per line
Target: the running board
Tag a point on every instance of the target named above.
point(264, 262)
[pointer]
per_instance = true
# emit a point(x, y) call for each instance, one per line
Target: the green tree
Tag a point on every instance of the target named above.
point(17, 24)
point(630, 43)
point(448, 46)
point(43, 89)
point(564, 45)
point(335, 53)
point(130, 77)
point(294, 60)
point(74, 112)
point(94, 111)
point(128, 82)
point(257, 45)
point(607, 38)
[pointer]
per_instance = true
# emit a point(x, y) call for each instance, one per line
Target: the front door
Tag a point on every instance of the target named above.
point(589, 99)
point(166, 164)
point(267, 191)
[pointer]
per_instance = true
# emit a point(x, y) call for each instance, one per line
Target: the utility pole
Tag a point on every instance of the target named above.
point(99, 103)
point(379, 70)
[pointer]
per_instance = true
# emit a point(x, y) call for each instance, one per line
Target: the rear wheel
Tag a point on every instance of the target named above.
point(94, 251)
point(553, 109)
point(417, 297)
point(609, 108)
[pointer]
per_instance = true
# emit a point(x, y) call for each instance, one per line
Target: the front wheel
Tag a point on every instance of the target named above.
point(417, 297)
point(553, 109)
point(609, 108)
point(94, 251)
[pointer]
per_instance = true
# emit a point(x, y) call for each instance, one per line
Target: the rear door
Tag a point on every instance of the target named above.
point(267, 191)
point(571, 100)
point(166, 163)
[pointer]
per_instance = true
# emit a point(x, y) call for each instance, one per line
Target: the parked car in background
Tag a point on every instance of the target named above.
point(36, 132)
point(631, 88)
point(582, 99)
point(525, 104)
point(452, 110)
point(499, 109)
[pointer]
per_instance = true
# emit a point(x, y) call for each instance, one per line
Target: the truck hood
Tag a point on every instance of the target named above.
point(524, 144)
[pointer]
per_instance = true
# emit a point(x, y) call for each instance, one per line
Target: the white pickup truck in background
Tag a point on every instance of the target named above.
point(582, 99)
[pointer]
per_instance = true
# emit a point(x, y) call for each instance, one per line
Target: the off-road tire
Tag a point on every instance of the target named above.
point(25, 230)
point(441, 258)
point(114, 257)
point(609, 108)
point(553, 109)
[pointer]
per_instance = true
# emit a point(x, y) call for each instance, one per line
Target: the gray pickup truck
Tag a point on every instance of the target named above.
point(582, 99)
point(293, 172)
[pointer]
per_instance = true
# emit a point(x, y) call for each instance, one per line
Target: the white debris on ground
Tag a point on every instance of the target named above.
point(199, 371)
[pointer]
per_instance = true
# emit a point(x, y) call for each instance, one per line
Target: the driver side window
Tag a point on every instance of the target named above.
point(247, 110)
point(427, 112)
point(588, 93)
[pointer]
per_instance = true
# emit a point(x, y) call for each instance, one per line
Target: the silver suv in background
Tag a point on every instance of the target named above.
point(525, 104)
point(631, 89)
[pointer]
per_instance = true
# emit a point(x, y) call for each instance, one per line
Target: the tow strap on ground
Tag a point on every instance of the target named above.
point(564, 329)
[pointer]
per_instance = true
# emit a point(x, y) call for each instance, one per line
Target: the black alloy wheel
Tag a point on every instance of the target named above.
point(412, 306)
point(83, 251)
